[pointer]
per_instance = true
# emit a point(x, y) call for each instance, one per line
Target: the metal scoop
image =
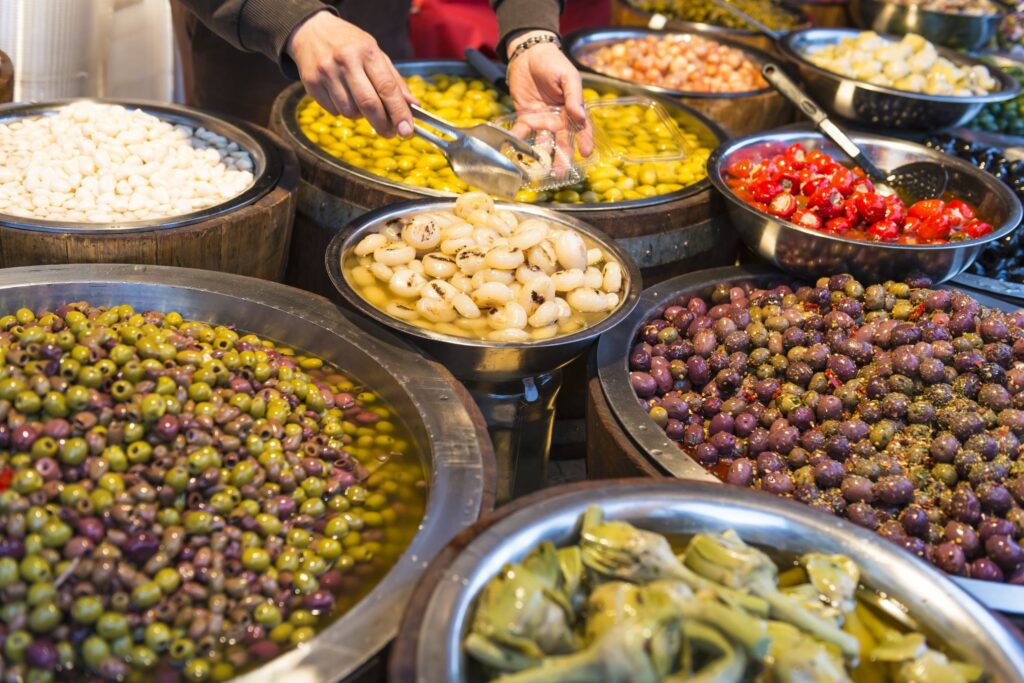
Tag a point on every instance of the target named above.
point(910, 182)
point(476, 154)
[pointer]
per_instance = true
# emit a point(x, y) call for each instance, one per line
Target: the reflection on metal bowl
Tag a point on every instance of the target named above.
point(875, 105)
point(950, 29)
point(810, 253)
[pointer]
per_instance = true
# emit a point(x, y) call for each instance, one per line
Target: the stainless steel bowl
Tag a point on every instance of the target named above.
point(687, 118)
point(443, 429)
point(951, 29)
point(810, 253)
point(878, 106)
point(431, 636)
point(472, 359)
point(578, 44)
point(612, 363)
point(266, 158)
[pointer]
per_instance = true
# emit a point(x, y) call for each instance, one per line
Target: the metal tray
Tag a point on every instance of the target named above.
point(612, 359)
point(443, 429)
point(453, 67)
point(687, 507)
point(265, 154)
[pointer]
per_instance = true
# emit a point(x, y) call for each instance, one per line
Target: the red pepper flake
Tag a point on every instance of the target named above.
point(832, 379)
point(6, 476)
point(917, 312)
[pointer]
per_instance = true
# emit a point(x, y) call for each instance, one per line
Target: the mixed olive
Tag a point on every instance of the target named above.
point(771, 14)
point(179, 501)
point(465, 102)
point(894, 405)
point(1004, 117)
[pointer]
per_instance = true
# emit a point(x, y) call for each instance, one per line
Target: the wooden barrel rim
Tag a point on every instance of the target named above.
point(402, 660)
point(610, 451)
point(204, 244)
point(6, 78)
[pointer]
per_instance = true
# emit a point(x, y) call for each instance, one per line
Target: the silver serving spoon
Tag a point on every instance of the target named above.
point(911, 182)
point(476, 153)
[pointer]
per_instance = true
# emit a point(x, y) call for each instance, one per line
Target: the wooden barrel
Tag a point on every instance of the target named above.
point(611, 454)
point(665, 238)
point(825, 13)
point(625, 14)
point(252, 240)
point(6, 79)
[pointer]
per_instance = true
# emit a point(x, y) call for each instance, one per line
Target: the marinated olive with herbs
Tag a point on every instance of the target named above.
point(897, 406)
point(178, 500)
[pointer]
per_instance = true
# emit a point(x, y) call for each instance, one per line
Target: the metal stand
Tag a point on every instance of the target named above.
point(520, 417)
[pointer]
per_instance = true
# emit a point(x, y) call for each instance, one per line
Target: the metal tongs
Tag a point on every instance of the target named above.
point(477, 154)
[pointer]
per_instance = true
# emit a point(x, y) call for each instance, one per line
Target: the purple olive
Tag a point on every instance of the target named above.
point(949, 557)
point(42, 654)
point(777, 483)
point(813, 440)
point(842, 366)
point(914, 546)
point(964, 506)
point(894, 490)
point(993, 329)
point(863, 515)
point(675, 430)
point(1004, 551)
point(801, 417)
point(829, 408)
point(994, 526)
point(892, 530)
point(857, 489)
point(783, 439)
point(744, 424)
point(944, 448)
point(828, 473)
point(914, 520)
point(741, 473)
point(725, 443)
point(643, 384)
point(722, 422)
point(984, 569)
point(964, 536)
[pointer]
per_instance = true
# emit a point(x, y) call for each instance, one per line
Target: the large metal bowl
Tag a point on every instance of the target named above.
point(685, 117)
point(472, 359)
point(443, 429)
point(811, 253)
point(612, 366)
point(429, 646)
point(879, 106)
point(266, 159)
point(951, 29)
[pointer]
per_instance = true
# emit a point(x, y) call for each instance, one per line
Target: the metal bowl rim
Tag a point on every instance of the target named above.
point(294, 94)
point(1009, 90)
point(454, 461)
point(592, 37)
point(266, 174)
point(715, 28)
point(345, 240)
point(959, 15)
point(443, 613)
point(721, 154)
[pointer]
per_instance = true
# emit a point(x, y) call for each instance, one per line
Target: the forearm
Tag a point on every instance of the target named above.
point(256, 25)
point(517, 16)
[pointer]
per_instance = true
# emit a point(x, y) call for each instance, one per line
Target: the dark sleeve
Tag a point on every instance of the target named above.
point(524, 15)
point(257, 25)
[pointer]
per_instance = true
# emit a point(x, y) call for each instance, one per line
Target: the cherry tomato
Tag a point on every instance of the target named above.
point(838, 225)
point(812, 185)
point(870, 206)
point(976, 229)
point(782, 205)
point(884, 231)
point(765, 190)
point(827, 202)
point(806, 219)
point(842, 180)
point(741, 169)
point(935, 228)
point(863, 185)
point(911, 225)
point(796, 155)
point(926, 208)
point(895, 210)
point(959, 212)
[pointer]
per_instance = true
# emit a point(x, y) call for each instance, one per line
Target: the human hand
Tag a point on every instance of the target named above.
point(542, 76)
point(348, 74)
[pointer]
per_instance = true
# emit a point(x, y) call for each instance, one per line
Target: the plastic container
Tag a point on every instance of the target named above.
point(629, 130)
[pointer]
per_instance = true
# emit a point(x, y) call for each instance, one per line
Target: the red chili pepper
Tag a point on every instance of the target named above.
point(926, 208)
point(832, 379)
point(796, 155)
point(842, 180)
point(863, 185)
point(916, 312)
point(766, 190)
point(959, 212)
point(6, 476)
point(782, 205)
point(741, 169)
point(838, 225)
point(976, 229)
point(885, 231)
point(813, 184)
point(806, 219)
point(870, 206)
point(826, 202)
point(895, 210)
point(935, 228)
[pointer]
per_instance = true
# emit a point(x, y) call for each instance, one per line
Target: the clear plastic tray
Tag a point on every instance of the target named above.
point(630, 130)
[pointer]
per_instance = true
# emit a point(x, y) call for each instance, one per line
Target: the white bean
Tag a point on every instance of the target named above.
point(505, 258)
point(510, 334)
point(470, 260)
point(592, 278)
point(457, 230)
point(546, 314)
point(571, 250)
point(471, 202)
point(505, 277)
point(422, 232)
point(564, 309)
point(486, 237)
point(509, 315)
point(611, 279)
point(611, 300)
point(529, 233)
point(536, 292)
point(477, 325)
point(439, 289)
point(465, 307)
point(568, 280)
point(439, 266)
point(543, 256)
point(406, 282)
point(394, 254)
point(461, 282)
point(362, 276)
point(382, 272)
point(586, 300)
point(542, 333)
point(401, 311)
point(594, 256)
point(370, 244)
point(455, 245)
point(491, 294)
point(436, 310)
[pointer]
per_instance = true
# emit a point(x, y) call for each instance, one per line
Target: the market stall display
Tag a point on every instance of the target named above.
point(513, 375)
point(95, 181)
point(189, 500)
point(715, 76)
point(624, 551)
point(897, 98)
point(824, 13)
point(802, 249)
point(6, 78)
point(1004, 118)
point(960, 24)
point(707, 17)
point(667, 233)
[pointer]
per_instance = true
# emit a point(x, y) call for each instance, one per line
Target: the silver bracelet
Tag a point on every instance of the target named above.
point(534, 40)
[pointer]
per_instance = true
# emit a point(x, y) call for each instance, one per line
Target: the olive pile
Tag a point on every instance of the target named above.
point(464, 102)
point(896, 406)
point(1004, 117)
point(179, 502)
point(770, 14)
point(1004, 258)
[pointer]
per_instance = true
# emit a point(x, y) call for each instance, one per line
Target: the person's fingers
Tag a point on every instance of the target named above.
point(387, 84)
point(368, 102)
point(406, 93)
point(572, 90)
point(323, 97)
point(342, 98)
